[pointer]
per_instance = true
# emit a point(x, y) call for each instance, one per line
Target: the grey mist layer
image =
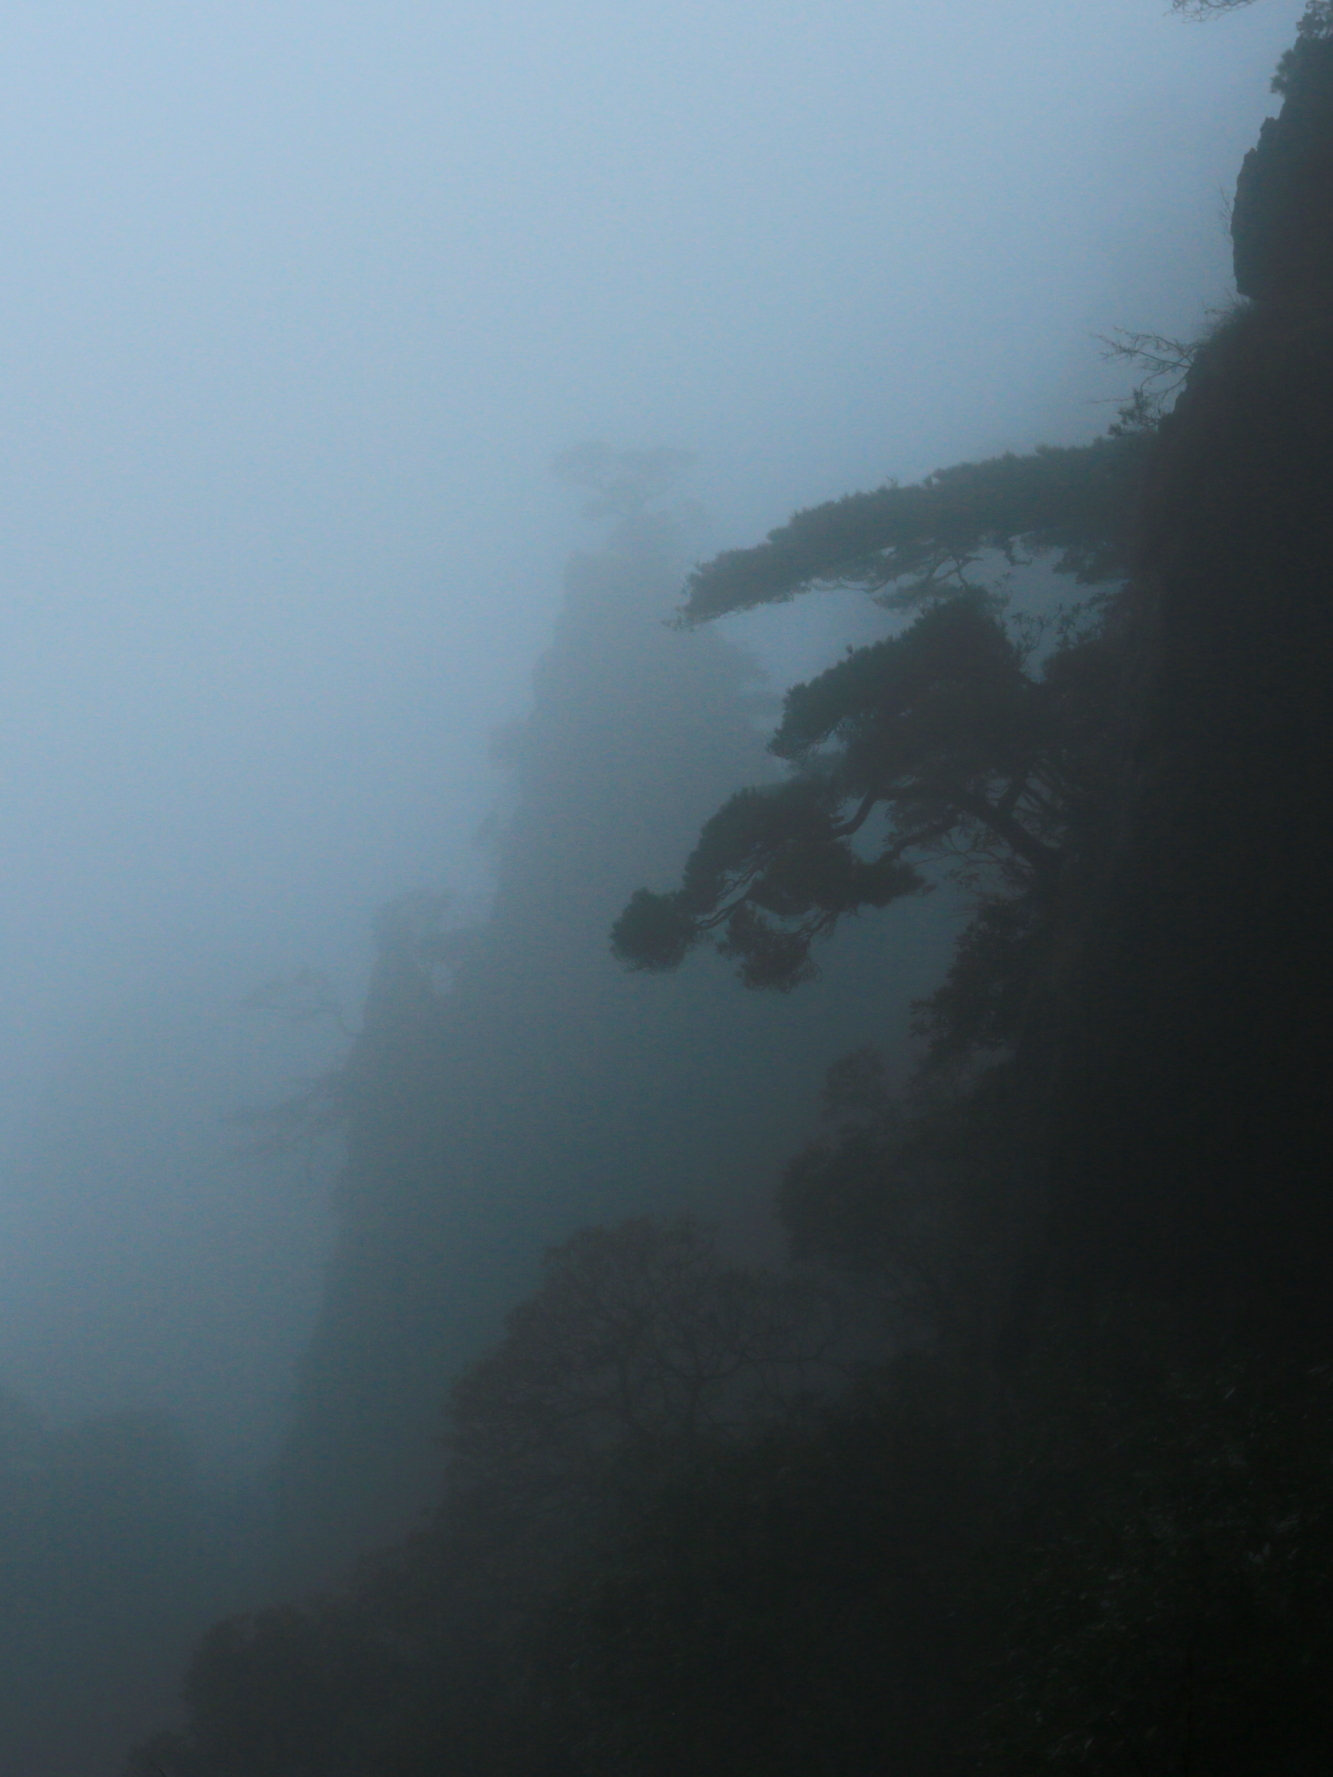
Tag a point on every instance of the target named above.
point(301, 301)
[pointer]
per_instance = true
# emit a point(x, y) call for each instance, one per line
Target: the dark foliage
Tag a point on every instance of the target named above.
point(1169, 1574)
point(1117, 1559)
point(791, 1607)
point(642, 1357)
point(943, 745)
point(909, 543)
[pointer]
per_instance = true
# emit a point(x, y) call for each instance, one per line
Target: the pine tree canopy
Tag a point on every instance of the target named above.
point(909, 543)
point(944, 743)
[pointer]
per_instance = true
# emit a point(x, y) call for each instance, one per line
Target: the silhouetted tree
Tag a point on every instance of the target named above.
point(642, 1354)
point(905, 545)
point(641, 1346)
point(940, 745)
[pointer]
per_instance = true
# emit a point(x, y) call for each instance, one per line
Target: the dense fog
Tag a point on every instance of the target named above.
point(337, 667)
point(302, 303)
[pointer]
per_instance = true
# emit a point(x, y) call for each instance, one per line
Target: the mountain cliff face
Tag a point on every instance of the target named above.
point(1282, 220)
point(1194, 1129)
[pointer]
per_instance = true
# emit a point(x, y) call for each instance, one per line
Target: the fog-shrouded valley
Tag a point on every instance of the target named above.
point(666, 741)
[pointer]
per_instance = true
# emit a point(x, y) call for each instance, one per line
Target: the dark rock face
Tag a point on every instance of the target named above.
point(1282, 223)
point(1193, 1134)
point(1215, 972)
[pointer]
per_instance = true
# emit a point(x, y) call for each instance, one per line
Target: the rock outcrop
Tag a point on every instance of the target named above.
point(1193, 1135)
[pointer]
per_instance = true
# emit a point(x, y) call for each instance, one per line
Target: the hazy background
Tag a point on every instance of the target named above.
point(298, 301)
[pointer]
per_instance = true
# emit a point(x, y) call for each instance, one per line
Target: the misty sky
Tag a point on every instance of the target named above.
point(298, 302)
